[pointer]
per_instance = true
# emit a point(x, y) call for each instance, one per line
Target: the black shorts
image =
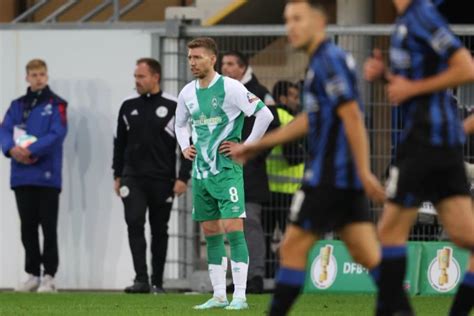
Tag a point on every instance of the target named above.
point(427, 174)
point(325, 209)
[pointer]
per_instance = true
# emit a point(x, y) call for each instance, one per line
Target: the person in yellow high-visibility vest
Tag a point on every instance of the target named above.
point(285, 168)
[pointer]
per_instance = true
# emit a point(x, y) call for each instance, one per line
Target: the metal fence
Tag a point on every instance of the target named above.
point(272, 59)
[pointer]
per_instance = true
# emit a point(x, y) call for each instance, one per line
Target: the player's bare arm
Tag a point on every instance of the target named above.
point(263, 118)
point(468, 125)
point(357, 137)
point(294, 130)
point(460, 71)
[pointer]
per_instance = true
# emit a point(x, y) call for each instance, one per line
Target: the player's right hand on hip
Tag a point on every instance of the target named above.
point(373, 188)
point(190, 152)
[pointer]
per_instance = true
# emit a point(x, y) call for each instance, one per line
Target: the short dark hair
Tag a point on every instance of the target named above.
point(281, 89)
point(153, 64)
point(316, 4)
point(242, 60)
point(204, 42)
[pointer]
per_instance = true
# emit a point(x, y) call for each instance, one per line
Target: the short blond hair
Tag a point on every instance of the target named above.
point(36, 64)
point(204, 42)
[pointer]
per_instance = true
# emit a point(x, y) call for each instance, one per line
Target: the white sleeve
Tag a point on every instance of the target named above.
point(182, 124)
point(263, 118)
point(246, 101)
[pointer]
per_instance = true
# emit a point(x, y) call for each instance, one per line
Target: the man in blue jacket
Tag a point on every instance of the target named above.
point(32, 135)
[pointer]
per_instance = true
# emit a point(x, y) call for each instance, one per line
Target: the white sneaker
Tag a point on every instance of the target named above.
point(47, 285)
point(30, 285)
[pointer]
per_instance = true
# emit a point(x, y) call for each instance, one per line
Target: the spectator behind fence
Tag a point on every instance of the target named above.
point(235, 65)
point(144, 166)
point(32, 135)
point(285, 168)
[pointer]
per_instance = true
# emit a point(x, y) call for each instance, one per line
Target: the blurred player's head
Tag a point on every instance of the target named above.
point(147, 76)
point(287, 93)
point(401, 5)
point(37, 74)
point(234, 65)
point(202, 56)
point(305, 20)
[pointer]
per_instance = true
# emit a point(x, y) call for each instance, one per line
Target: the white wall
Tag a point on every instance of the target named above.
point(93, 70)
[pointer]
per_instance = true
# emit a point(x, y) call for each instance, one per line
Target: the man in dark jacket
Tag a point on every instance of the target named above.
point(235, 65)
point(32, 135)
point(144, 166)
point(285, 168)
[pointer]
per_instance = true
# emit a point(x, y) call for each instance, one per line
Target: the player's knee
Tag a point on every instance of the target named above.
point(211, 229)
point(289, 249)
point(368, 259)
point(293, 250)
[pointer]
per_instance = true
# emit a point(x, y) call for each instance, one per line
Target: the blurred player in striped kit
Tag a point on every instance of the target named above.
point(332, 196)
point(426, 59)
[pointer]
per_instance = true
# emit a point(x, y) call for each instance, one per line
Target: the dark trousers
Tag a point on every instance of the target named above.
point(275, 214)
point(39, 206)
point(138, 195)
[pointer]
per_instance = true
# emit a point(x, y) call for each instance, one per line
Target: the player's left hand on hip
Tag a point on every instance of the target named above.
point(229, 148)
point(399, 89)
point(180, 187)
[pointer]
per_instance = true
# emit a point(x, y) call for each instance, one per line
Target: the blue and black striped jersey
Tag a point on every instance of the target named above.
point(421, 46)
point(330, 81)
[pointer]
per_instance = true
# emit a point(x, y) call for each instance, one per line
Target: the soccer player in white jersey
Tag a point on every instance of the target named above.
point(214, 106)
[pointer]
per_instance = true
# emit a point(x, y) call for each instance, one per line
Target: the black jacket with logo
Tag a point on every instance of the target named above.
point(145, 143)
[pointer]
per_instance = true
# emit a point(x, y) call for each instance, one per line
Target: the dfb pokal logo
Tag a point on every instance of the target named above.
point(444, 272)
point(324, 268)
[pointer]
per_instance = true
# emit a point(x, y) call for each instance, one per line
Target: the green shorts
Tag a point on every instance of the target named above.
point(220, 196)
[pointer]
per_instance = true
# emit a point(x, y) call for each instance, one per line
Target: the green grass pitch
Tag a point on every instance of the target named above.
point(180, 304)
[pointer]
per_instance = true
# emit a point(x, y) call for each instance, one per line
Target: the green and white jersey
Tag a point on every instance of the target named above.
point(216, 114)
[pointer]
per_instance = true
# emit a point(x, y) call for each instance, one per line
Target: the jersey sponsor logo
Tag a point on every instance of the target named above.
point(162, 111)
point(336, 87)
point(442, 40)
point(444, 272)
point(400, 58)
point(252, 97)
point(204, 120)
point(48, 110)
point(134, 112)
point(324, 268)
